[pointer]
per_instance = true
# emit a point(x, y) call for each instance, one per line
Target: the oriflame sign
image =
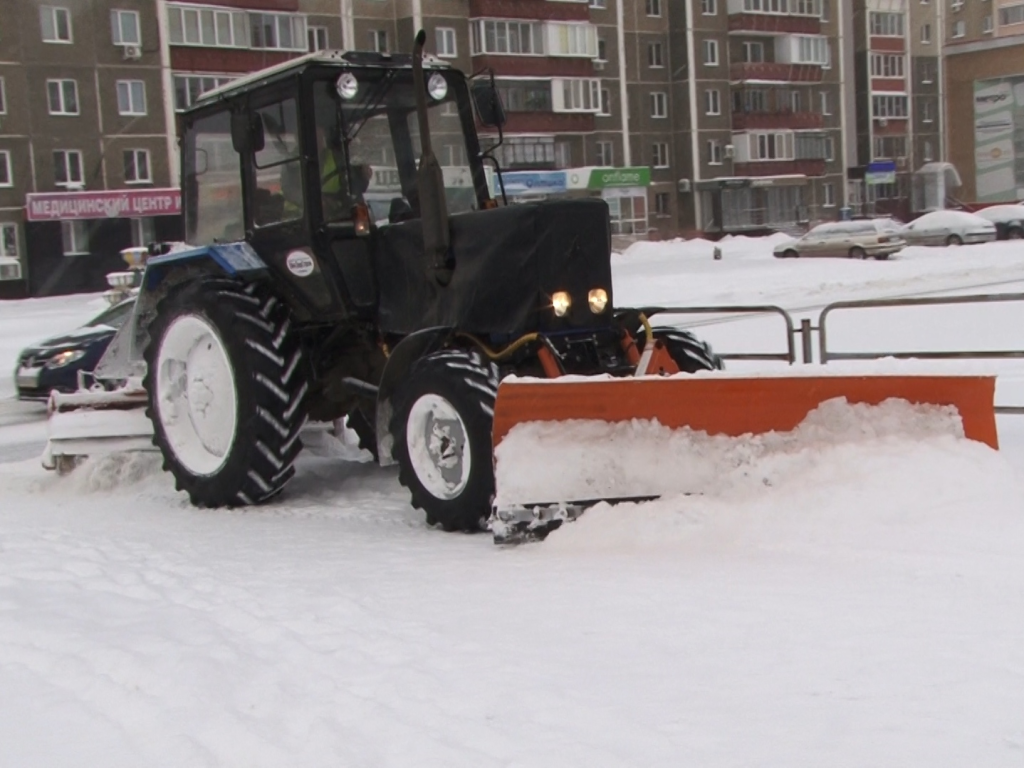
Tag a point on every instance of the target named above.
point(107, 204)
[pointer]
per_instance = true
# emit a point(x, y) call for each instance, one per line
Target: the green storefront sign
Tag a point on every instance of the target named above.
point(605, 178)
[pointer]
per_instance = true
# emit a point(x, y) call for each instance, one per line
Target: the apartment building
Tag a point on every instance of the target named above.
point(899, 121)
point(84, 165)
point(985, 97)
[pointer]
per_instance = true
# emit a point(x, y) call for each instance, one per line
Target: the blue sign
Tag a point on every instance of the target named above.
point(534, 182)
point(881, 172)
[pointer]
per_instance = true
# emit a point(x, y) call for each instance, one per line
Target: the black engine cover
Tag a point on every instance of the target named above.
point(508, 262)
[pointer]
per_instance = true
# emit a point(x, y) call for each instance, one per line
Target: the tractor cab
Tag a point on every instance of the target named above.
point(308, 162)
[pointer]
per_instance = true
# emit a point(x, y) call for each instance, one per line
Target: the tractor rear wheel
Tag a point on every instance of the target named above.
point(689, 353)
point(226, 381)
point(443, 415)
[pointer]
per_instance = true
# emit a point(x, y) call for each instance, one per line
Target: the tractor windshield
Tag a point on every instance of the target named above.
point(369, 146)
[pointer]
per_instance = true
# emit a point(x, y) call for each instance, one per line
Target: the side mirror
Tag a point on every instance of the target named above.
point(488, 103)
point(246, 132)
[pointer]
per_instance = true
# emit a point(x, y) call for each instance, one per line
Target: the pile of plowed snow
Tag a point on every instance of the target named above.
point(846, 470)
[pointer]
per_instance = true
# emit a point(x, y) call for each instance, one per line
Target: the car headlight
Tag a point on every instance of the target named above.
point(560, 302)
point(598, 300)
point(65, 358)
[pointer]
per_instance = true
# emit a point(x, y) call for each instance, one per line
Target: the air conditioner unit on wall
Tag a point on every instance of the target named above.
point(730, 150)
point(882, 122)
point(684, 185)
point(132, 52)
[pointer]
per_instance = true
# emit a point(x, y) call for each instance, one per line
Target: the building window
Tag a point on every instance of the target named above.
point(124, 28)
point(67, 168)
point(795, 101)
point(188, 88)
point(654, 7)
point(598, 3)
point(136, 166)
point(886, 65)
point(792, 7)
point(711, 53)
point(131, 97)
point(602, 51)
point(507, 37)
point(659, 154)
point(9, 240)
point(317, 38)
point(926, 33)
point(826, 10)
point(959, 28)
point(75, 237)
point(987, 26)
point(654, 57)
point(6, 179)
point(890, 147)
point(605, 154)
point(712, 102)
point(3, 98)
point(62, 97)
point(826, 103)
point(56, 24)
point(526, 95)
point(927, 71)
point(661, 204)
point(1013, 14)
point(926, 112)
point(753, 52)
point(830, 149)
point(575, 95)
point(208, 27)
point(570, 40)
point(709, 7)
point(445, 40)
point(886, 24)
point(927, 152)
point(889, 106)
point(278, 31)
point(830, 195)
point(606, 102)
point(771, 146)
point(714, 152)
point(628, 214)
point(659, 104)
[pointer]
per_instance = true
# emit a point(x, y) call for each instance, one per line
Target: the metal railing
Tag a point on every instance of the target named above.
point(789, 356)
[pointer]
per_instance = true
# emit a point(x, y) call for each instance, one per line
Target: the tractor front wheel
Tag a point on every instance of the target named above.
point(226, 381)
point(443, 415)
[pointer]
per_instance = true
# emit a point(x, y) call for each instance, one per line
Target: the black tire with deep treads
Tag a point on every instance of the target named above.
point(689, 353)
point(271, 383)
point(470, 385)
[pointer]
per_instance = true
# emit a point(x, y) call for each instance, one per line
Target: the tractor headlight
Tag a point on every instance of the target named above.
point(437, 86)
point(560, 302)
point(347, 86)
point(598, 300)
point(66, 357)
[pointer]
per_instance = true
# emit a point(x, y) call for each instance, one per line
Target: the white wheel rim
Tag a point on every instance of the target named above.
point(195, 394)
point(438, 447)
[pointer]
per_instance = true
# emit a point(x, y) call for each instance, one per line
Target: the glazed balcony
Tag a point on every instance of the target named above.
point(780, 118)
point(773, 72)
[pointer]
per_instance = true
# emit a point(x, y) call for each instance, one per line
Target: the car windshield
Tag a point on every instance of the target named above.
point(113, 317)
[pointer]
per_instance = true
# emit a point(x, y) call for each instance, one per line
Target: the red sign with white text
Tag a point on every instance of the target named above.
point(106, 204)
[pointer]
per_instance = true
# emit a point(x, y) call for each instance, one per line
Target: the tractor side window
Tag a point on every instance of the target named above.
point(213, 174)
point(278, 193)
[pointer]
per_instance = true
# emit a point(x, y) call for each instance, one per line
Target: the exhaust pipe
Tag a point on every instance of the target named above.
point(430, 180)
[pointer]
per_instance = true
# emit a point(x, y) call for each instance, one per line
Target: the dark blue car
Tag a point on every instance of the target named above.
point(55, 363)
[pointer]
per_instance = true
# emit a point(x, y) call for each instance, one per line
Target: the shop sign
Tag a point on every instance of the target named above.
point(604, 178)
point(534, 182)
point(882, 172)
point(106, 204)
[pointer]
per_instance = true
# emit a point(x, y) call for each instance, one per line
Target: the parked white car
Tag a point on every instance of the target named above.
point(862, 239)
point(948, 228)
point(1009, 220)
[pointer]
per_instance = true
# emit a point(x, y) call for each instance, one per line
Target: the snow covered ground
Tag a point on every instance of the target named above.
point(839, 602)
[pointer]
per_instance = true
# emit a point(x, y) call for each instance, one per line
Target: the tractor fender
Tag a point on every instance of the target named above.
point(234, 259)
point(400, 361)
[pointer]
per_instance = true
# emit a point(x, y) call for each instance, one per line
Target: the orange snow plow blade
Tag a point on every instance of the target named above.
point(736, 406)
point(575, 441)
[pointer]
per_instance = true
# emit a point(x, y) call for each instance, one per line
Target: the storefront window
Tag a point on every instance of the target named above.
point(75, 237)
point(143, 232)
point(628, 212)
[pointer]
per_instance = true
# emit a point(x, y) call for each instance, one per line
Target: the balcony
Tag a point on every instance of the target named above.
point(547, 122)
point(780, 118)
point(772, 72)
point(780, 168)
point(528, 9)
point(773, 24)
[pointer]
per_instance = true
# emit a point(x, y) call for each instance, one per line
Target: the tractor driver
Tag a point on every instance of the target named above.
point(339, 190)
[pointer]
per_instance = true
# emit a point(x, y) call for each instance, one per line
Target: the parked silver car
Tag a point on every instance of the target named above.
point(948, 228)
point(869, 238)
point(1009, 220)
